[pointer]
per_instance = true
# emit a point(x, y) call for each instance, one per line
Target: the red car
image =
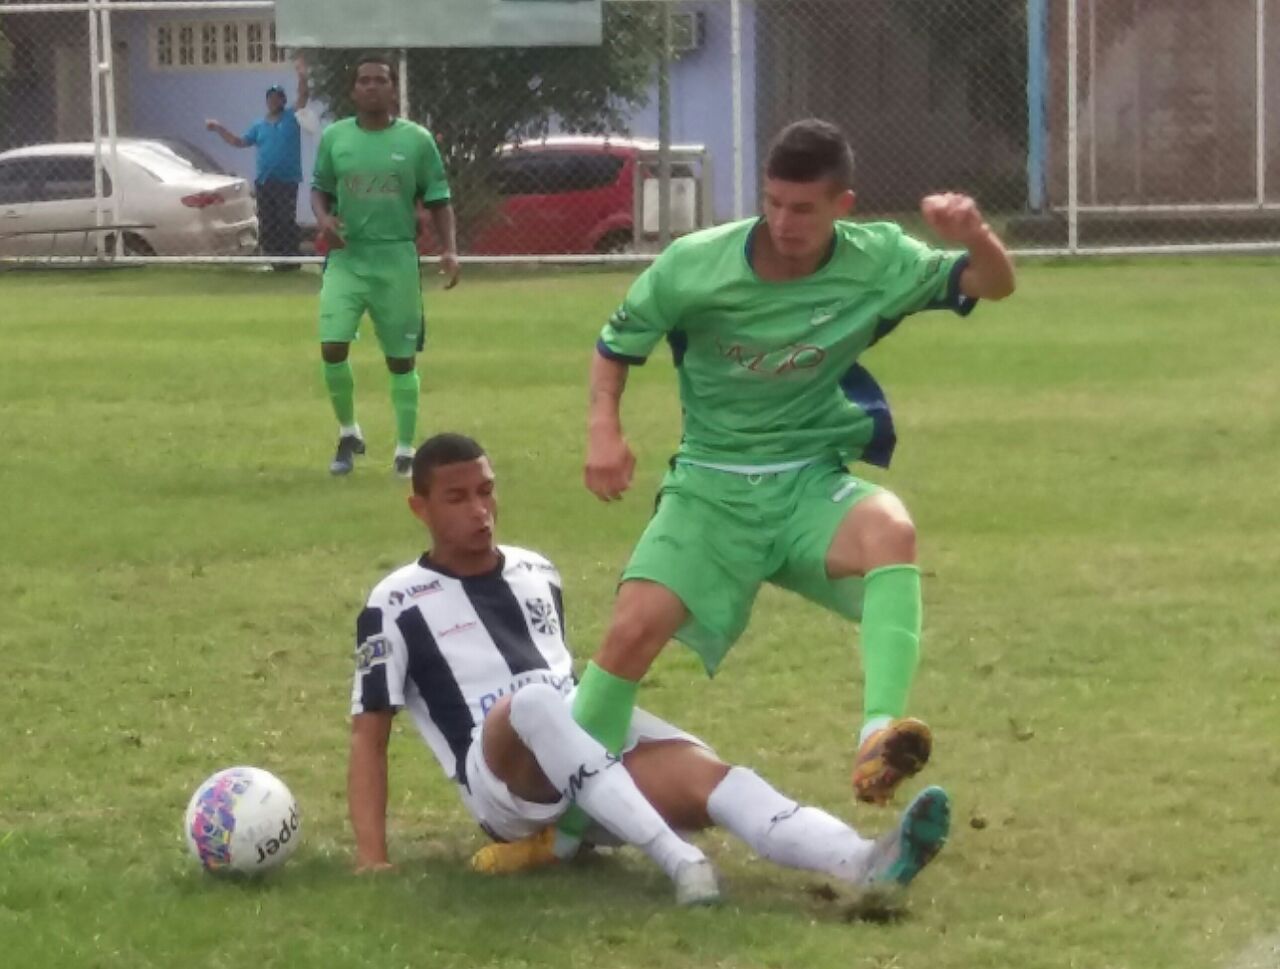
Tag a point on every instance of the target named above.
point(577, 194)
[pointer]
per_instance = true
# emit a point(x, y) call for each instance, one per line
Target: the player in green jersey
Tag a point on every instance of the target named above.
point(766, 320)
point(378, 182)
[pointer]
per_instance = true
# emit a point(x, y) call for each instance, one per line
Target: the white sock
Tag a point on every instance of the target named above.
point(352, 431)
point(784, 832)
point(586, 773)
point(871, 726)
point(404, 450)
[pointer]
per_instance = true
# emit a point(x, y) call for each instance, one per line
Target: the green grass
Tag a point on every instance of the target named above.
point(1093, 469)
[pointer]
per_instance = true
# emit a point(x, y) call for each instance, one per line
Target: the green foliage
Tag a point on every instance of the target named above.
point(475, 100)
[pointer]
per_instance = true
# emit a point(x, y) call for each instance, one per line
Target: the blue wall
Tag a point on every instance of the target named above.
point(176, 104)
point(702, 104)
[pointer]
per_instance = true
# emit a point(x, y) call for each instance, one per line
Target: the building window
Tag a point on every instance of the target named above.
point(256, 49)
point(203, 45)
point(209, 45)
point(186, 46)
point(231, 44)
point(164, 46)
point(277, 53)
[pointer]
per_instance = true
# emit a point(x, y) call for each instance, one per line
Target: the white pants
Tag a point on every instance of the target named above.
point(506, 817)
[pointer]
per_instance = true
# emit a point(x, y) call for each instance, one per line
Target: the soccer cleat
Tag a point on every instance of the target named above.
point(506, 858)
point(696, 884)
point(888, 757)
point(402, 465)
point(349, 445)
point(898, 856)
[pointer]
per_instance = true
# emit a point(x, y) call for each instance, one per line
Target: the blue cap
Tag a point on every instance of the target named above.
point(276, 89)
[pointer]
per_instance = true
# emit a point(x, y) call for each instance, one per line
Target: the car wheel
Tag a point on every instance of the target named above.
point(133, 246)
point(618, 243)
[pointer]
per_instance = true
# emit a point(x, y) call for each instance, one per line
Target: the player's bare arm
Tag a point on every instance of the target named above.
point(610, 463)
point(328, 223)
point(367, 788)
point(956, 218)
point(441, 218)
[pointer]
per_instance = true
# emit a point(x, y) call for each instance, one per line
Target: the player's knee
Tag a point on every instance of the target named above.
point(630, 646)
point(400, 364)
point(890, 537)
point(536, 706)
point(334, 352)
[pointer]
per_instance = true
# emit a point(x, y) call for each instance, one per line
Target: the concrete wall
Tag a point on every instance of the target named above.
point(1172, 103)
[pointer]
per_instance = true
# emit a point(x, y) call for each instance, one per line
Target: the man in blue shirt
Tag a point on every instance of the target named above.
point(278, 140)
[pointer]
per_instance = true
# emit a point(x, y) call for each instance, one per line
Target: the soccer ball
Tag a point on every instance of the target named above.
point(242, 819)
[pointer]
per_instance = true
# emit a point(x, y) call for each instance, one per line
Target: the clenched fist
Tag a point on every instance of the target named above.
point(953, 217)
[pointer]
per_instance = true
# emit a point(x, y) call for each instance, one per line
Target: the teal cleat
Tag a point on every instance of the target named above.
point(901, 854)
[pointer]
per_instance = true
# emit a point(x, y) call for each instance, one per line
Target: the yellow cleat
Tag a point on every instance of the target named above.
point(888, 757)
point(528, 854)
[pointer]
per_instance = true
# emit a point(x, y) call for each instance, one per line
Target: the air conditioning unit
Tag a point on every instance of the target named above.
point(688, 31)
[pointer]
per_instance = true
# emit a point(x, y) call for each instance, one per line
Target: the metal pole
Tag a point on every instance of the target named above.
point(1093, 101)
point(1037, 84)
point(95, 112)
point(1260, 102)
point(739, 148)
point(404, 112)
point(113, 140)
point(1073, 133)
point(664, 130)
point(1139, 116)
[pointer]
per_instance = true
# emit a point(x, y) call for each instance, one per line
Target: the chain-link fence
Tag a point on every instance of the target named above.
point(1080, 125)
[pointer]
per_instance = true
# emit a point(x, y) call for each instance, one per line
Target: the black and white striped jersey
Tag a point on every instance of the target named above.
point(448, 648)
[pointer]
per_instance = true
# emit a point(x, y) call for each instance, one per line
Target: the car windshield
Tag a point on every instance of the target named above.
point(162, 164)
point(193, 155)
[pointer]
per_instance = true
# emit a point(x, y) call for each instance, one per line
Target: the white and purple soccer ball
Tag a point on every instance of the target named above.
point(242, 819)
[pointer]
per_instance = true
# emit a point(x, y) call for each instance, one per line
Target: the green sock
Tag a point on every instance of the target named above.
point(341, 384)
point(404, 401)
point(602, 707)
point(890, 639)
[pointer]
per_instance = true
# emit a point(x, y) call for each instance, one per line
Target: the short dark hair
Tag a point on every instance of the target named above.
point(384, 59)
point(809, 150)
point(438, 451)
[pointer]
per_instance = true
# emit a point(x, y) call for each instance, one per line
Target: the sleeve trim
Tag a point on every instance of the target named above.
point(955, 300)
point(608, 353)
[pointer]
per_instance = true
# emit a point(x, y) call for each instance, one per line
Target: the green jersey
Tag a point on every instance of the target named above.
point(767, 370)
point(375, 177)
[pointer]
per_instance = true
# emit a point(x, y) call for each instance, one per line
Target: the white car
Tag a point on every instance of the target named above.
point(170, 204)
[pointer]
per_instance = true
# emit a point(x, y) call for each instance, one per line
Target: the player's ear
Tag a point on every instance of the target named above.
point(418, 506)
point(846, 202)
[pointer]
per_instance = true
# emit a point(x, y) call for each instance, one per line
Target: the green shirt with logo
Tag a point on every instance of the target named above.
point(375, 176)
point(768, 371)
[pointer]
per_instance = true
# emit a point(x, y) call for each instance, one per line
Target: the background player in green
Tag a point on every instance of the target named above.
point(378, 181)
point(766, 319)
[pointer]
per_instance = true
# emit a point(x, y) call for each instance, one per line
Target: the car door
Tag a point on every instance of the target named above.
point(16, 177)
point(62, 208)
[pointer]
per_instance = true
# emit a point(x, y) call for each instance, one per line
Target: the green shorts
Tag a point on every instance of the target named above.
point(382, 278)
point(717, 535)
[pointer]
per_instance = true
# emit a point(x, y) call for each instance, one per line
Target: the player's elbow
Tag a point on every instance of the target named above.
point(370, 733)
point(1003, 290)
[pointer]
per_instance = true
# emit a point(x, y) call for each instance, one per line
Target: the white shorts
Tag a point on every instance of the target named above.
point(506, 817)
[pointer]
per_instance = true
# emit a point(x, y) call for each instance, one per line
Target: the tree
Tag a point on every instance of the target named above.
point(475, 100)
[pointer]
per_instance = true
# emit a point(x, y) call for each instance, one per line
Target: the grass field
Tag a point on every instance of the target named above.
point(1093, 468)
